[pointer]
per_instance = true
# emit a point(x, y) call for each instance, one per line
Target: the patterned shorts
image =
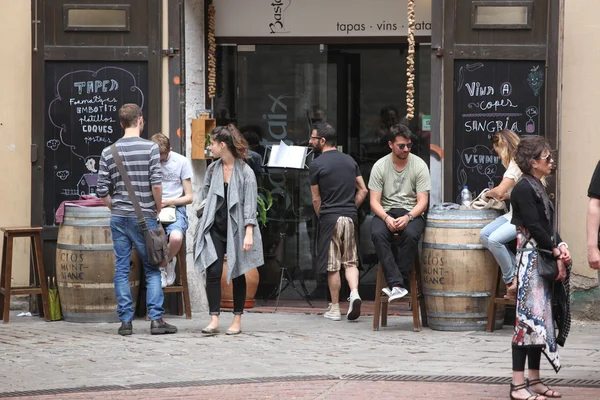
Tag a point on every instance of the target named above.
point(342, 251)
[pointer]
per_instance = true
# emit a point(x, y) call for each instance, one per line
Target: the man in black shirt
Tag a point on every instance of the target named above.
point(337, 190)
point(593, 220)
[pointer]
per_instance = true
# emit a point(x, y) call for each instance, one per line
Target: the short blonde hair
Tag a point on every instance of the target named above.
point(163, 142)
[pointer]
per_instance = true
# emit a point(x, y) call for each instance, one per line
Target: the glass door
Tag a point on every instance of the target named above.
point(276, 92)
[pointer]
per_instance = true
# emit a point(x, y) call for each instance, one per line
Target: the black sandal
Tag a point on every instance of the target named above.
point(514, 388)
point(539, 381)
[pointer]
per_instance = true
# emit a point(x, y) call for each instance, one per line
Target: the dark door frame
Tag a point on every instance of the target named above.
point(548, 52)
point(42, 53)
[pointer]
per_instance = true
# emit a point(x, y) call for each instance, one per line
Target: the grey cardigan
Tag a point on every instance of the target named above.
point(242, 196)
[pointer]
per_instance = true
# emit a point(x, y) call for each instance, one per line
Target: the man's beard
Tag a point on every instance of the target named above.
point(318, 149)
point(403, 156)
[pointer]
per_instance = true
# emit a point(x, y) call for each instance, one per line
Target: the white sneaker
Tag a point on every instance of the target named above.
point(397, 293)
point(387, 291)
point(354, 307)
point(163, 278)
point(333, 313)
point(171, 271)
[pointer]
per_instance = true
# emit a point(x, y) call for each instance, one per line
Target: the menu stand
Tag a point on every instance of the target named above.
point(289, 157)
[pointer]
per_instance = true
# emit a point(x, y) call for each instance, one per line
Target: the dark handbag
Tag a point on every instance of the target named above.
point(546, 265)
point(155, 239)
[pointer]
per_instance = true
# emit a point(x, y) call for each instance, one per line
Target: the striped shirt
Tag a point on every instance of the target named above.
point(141, 160)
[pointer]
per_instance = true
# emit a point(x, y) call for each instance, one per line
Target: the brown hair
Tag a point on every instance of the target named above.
point(232, 138)
point(129, 115)
point(163, 142)
point(507, 141)
point(399, 130)
point(530, 148)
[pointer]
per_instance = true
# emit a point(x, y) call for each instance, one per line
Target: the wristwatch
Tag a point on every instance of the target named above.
point(410, 217)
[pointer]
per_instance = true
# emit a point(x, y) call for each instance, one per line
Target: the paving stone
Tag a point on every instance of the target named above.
point(36, 355)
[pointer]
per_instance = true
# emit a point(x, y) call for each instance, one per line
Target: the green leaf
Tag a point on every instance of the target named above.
point(268, 197)
point(262, 211)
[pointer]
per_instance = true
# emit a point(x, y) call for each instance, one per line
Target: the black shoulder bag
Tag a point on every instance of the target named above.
point(546, 263)
point(155, 239)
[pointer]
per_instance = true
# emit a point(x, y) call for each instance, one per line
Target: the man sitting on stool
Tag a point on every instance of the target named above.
point(177, 192)
point(399, 187)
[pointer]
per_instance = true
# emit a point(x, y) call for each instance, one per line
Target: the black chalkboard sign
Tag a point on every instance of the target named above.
point(490, 96)
point(82, 103)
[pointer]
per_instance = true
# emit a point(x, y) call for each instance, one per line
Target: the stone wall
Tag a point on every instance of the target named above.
point(194, 101)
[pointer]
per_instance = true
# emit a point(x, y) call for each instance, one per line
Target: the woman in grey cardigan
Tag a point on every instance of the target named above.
point(228, 225)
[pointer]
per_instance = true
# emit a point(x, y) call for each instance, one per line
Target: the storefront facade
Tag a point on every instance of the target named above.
point(284, 64)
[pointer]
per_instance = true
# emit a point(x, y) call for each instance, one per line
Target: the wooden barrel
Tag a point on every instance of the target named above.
point(457, 270)
point(85, 266)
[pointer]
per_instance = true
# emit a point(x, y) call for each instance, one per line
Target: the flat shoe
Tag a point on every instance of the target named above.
point(210, 331)
point(232, 332)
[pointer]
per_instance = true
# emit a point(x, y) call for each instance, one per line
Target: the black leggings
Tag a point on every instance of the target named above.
point(520, 354)
point(213, 282)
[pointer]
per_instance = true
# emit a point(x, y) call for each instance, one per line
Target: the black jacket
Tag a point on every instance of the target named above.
point(528, 212)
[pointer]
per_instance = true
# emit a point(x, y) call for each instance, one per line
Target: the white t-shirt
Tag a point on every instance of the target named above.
point(512, 172)
point(175, 171)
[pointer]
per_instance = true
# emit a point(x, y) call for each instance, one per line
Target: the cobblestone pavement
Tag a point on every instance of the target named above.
point(36, 355)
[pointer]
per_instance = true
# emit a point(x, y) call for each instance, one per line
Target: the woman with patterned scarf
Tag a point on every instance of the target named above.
point(543, 319)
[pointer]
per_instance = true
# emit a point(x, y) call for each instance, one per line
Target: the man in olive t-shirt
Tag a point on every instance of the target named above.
point(399, 194)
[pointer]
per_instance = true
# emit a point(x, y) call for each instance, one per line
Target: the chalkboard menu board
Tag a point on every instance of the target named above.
point(82, 103)
point(490, 96)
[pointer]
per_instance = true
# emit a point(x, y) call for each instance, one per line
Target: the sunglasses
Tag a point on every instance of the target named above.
point(401, 146)
point(547, 158)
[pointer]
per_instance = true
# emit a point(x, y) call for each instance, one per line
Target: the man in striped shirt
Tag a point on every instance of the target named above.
point(141, 160)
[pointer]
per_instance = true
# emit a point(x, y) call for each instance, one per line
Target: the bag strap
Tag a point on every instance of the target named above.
point(522, 249)
point(481, 194)
point(127, 182)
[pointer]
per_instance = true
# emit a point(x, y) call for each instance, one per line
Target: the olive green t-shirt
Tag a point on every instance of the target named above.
point(399, 188)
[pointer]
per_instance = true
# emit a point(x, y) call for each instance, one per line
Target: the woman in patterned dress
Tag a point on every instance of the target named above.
point(533, 214)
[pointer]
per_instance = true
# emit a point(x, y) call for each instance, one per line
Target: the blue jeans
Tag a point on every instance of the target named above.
point(126, 233)
point(494, 236)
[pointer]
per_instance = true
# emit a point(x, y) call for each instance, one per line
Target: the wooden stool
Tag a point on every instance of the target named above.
point(39, 277)
point(496, 299)
point(183, 300)
point(415, 298)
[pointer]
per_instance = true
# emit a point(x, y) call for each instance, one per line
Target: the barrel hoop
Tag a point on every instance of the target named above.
point(440, 293)
point(86, 212)
point(93, 285)
point(454, 225)
point(443, 246)
point(460, 323)
point(456, 315)
point(445, 215)
point(74, 307)
point(96, 247)
point(87, 222)
point(463, 323)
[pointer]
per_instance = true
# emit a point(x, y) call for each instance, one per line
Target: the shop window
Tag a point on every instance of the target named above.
point(502, 15)
point(96, 17)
